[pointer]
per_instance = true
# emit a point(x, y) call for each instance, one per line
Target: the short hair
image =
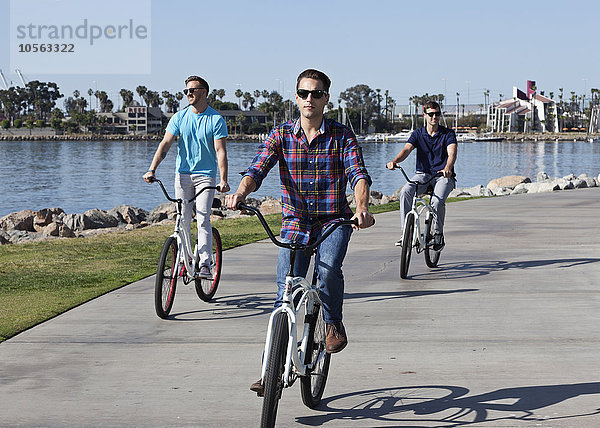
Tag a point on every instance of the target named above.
point(198, 79)
point(311, 73)
point(431, 104)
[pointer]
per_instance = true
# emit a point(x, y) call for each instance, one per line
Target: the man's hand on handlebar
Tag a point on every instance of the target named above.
point(223, 187)
point(391, 165)
point(149, 177)
point(446, 173)
point(365, 219)
point(233, 200)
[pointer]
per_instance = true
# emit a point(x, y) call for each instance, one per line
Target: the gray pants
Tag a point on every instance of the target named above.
point(186, 186)
point(441, 189)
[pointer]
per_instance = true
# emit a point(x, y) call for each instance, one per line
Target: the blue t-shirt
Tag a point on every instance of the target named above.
point(197, 134)
point(432, 151)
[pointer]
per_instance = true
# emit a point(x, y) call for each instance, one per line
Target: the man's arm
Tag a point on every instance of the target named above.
point(247, 186)
point(159, 155)
point(361, 195)
point(452, 150)
point(400, 156)
point(221, 149)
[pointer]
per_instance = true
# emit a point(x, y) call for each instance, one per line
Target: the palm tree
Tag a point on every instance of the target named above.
point(221, 94)
point(76, 93)
point(127, 97)
point(141, 91)
point(90, 93)
point(238, 94)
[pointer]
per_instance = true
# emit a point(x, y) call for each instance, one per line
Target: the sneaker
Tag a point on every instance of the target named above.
point(204, 272)
point(438, 242)
point(258, 387)
point(336, 339)
point(398, 243)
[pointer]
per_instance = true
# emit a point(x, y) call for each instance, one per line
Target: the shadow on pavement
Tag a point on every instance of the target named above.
point(389, 295)
point(485, 267)
point(451, 406)
point(231, 307)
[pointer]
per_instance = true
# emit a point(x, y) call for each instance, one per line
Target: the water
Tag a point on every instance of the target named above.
point(80, 175)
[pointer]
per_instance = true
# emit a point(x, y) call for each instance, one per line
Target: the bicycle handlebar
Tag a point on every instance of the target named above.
point(438, 174)
point(154, 179)
point(293, 245)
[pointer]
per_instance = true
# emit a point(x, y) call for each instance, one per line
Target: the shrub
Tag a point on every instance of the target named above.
point(18, 123)
point(5, 124)
point(40, 123)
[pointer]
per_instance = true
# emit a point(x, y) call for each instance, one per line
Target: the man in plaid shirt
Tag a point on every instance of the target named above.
point(317, 158)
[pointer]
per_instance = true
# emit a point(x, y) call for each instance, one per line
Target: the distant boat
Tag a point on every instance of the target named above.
point(400, 136)
point(466, 137)
point(489, 138)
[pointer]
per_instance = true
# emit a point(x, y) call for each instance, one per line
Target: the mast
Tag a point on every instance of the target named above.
point(3, 80)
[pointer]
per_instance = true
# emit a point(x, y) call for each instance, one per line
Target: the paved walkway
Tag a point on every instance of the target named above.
point(504, 333)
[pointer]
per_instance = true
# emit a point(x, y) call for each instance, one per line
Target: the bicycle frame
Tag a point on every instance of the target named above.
point(186, 257)
point(294, 363)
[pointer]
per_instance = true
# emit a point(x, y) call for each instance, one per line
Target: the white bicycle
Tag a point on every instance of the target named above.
point(417, 232)
point(178, 261)
point(287, 357)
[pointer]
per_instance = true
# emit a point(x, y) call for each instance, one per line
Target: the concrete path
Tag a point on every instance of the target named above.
point(504, 333)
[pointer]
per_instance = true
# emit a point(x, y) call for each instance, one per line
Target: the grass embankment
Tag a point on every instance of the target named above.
point(40, 280)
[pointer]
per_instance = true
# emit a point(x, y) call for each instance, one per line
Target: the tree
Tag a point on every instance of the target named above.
point(221, 94)
point(238, 94)
point(141, 91)
point(360, 99)
point(127, 97)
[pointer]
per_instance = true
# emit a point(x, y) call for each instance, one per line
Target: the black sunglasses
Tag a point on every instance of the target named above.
point(433, 113)
point(317, 93)
point(191, 90)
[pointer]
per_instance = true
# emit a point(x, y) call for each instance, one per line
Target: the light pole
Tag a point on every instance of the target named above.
point(96, 86)
point(445, 80)
point(584, 91)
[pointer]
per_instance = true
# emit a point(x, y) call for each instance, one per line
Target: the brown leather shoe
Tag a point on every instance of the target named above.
point(336, 339)
point(258, 387)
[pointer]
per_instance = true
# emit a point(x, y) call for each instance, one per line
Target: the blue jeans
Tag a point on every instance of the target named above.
point(328, 259)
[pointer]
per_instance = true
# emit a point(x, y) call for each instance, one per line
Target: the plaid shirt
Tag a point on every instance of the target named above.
point(313, 176)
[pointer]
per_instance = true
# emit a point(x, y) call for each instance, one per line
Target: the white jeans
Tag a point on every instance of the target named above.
point(186, 186)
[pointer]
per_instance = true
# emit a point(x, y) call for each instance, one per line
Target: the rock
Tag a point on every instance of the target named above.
point(501, 191)
point(168, 210)
point(4, 237)
point(519, 189)
point(459, 193)
point(375, 194)
point(44, 217)
point(563, 183)
point(579, 184)
point(75, 221)
point(570, 177)
point(128, 214)
point(17, 236)
point(270, 206)
point(542, 176)
point(99, 219)
point(50, 229)
point(477, 191)
point(541, 187)
point(19, 220)
point(510, 181)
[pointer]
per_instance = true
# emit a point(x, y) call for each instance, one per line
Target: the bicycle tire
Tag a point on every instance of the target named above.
point(207, 287)
point(274, 374)
point(166, 278)
point(432, 257)
point(312, 385)
point(407, 238)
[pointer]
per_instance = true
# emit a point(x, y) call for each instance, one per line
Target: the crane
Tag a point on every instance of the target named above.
point(21, 77)
point(3, 80)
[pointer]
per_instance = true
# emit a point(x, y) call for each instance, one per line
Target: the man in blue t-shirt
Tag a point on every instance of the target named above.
point(436, 152)
point(200, 150)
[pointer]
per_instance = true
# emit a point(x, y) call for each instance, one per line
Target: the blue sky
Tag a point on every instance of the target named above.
point(408, 48)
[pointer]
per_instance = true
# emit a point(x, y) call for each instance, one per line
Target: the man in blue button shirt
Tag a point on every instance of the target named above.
point(436, 152)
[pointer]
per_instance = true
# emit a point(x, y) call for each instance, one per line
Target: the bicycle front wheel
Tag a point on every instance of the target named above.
point(166, 278)
point(432, 257)
point(207, 287)
point(274, 374)
point(407, 238)
point(313, 384)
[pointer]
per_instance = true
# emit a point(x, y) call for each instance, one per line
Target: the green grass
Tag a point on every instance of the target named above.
point(43, 279)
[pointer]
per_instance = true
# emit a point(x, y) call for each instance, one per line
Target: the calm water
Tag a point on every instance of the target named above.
point(77, 176)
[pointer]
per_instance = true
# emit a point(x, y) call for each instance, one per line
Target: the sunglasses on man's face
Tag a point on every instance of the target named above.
point(433, 113)
point(317, 93)
point(191, 90)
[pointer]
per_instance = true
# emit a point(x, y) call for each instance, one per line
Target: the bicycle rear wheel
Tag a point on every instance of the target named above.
point(207, 287)
point(407, 238)
point(166, 278)
point(275, 367)
point(313, 384)
point(432, 257)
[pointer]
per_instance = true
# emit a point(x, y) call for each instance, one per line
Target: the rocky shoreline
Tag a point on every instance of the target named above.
point(52, 223)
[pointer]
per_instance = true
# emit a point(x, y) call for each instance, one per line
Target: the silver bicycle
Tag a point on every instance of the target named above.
point(178, 261)
point(417, 232)
point(288, 357)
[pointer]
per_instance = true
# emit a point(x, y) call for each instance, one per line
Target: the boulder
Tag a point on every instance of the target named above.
point(510, 181)
point(270, 206)
point(542, 176)
point(541, 187)
point(570, 177)
point(168, 210)
point(75, 221)
point(44, 217)
point(563, 183)
point(459, 193)
point(579, 184)
point(128, 214)
point(58, 229)
point(519, 189)
point(19, 220)
point(99, 219)
point(4, 238)
point(477, 191)
point(501, 191)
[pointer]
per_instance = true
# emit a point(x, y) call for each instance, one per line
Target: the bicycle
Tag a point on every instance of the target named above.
point(177, 261)
point(417, 231)
point(286, 358)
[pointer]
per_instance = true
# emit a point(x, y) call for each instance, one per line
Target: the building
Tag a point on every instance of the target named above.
point(529, 112)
